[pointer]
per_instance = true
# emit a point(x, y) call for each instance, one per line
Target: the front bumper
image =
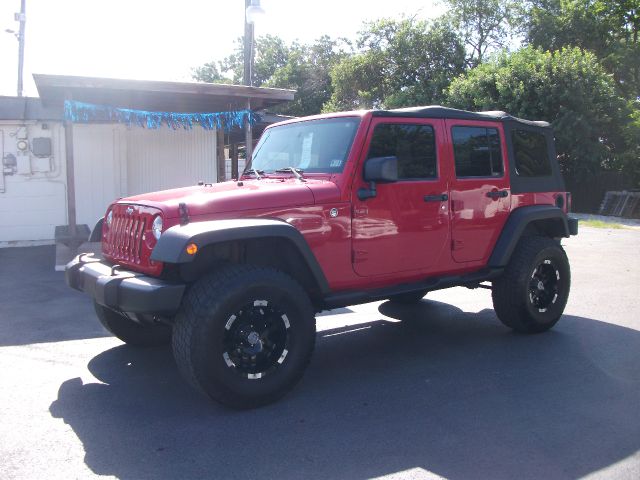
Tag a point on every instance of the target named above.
point(123, 290)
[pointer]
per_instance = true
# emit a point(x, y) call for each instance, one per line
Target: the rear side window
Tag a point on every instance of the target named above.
point(413, 145)
point(531, 154)
point(477, 152)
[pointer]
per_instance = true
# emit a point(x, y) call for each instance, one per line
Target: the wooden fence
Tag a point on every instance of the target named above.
point(587, 195)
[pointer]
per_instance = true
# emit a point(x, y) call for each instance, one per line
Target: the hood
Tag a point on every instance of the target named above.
point(238, 196)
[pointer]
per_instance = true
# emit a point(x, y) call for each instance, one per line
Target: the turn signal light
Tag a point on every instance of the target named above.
point(191, 249)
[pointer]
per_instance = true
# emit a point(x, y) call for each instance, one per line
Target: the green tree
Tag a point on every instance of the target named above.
point(270, 54)
point(308, 71)
point(568, 88)
point(400, 63)
point(304, 68)
point(609, 28)
point(209, 72)
point(484, 25)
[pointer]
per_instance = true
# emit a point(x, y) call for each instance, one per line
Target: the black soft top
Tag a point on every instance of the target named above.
point(437, 111)
point(519, 184)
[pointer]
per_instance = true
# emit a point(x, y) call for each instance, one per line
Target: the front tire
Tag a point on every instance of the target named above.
point(244, 335)
point(532, 293)
point(130, 332)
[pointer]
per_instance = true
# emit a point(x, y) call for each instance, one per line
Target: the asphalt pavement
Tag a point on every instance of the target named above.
point(440, 389)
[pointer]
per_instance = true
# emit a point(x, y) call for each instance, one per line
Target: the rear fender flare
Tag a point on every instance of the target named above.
point(515, 227)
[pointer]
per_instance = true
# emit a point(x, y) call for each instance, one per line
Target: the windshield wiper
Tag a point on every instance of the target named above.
point(252, 171)
point(296, 172)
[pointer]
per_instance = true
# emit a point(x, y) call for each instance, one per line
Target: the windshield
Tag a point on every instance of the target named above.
point(320, 146)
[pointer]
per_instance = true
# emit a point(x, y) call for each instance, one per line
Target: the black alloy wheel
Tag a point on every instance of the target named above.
point(244, 335)
point(256, 338)
point(531, 294)
point(544, 284)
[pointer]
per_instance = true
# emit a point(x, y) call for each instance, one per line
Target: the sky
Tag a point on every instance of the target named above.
point(165, 39)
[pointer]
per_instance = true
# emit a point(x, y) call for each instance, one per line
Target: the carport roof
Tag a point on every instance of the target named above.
point(153, 95)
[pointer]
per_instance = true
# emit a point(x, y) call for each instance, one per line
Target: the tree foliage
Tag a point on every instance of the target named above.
point(304, 68)
point(609, 28)
point(568, 87)
point(399, 63)
point(484, 25)
point(308, 71)
point(579, 68)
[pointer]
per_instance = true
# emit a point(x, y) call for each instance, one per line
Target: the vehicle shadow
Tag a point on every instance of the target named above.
point(442, 391)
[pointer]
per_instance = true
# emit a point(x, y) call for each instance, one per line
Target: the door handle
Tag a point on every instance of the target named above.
point(497, 193)
point(436, 198)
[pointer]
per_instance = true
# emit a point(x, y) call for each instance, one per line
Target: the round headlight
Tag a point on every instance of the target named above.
point(109, 218)
point(157, 227)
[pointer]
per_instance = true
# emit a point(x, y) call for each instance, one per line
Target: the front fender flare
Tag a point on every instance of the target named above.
point(171, 247)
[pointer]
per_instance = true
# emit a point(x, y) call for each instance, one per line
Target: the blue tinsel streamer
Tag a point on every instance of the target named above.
point(80, 112)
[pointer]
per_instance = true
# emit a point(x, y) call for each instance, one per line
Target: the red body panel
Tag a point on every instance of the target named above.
point(476, 220)
point(393, 238)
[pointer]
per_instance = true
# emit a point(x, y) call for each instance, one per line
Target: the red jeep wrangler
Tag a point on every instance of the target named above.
point(333, 210)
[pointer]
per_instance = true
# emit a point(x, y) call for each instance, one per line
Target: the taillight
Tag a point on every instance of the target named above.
point(568, 209)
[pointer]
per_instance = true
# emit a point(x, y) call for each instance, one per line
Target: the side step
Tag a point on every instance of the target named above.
point(343, 299)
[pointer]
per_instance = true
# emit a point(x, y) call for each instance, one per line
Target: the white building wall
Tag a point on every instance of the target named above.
point(110, 161)
point(164, 158)
point(34, 198)
point(100, 158)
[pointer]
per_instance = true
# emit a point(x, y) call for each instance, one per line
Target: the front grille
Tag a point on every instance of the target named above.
point(129, 240)
point(125, 236)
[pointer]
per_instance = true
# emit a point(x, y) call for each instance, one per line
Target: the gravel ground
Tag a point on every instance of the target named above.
point(440, 389)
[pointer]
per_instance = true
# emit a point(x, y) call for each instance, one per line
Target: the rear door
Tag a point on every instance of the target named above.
point(480, 196)
point(405, 227)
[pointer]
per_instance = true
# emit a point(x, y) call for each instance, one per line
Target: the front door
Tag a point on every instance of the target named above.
point(480, 196)
point(405, 227)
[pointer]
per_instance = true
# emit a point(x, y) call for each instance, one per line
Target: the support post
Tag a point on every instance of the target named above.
point(220, 157)
point(234, 161)
point(248, 136)
point(71, 184)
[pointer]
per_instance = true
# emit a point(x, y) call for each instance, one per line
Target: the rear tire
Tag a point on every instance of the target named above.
point(130, 332)
point(532, 293)
point(244, 335)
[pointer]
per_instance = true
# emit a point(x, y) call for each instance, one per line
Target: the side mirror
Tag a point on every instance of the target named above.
point(381, 169)
point(378, 169)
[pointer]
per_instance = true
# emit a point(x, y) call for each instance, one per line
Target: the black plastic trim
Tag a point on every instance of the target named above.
point(437, 111)
point(124, 291)
point(518, 221)
point(96, 233)
point(172, 243)
point(344, 299)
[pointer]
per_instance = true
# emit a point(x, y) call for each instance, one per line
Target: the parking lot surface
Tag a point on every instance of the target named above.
point(440, 389)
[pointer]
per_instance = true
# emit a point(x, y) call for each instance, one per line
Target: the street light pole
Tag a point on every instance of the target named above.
point(21, 17)
point(248, 47)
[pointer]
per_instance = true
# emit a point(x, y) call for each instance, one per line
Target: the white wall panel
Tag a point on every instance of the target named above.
point(99, 157)
point(165, 158)
point(33, 204)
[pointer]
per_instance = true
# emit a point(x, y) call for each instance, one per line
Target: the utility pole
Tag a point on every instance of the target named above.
point(247, 77)
point(22, 18)
point(248, 48)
